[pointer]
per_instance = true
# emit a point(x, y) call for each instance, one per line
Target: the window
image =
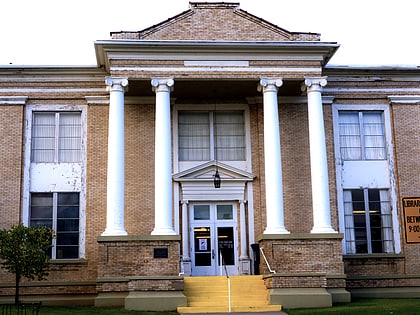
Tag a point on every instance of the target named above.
point(204, 136)
point(368, 221)
point(59, 211)
point(362, 135)
point(56, 137)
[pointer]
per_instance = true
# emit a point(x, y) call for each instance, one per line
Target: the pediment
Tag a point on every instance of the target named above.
point(221, 21)
point(205, 172)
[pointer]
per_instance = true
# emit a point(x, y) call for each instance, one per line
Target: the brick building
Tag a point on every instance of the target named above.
point(317, 165)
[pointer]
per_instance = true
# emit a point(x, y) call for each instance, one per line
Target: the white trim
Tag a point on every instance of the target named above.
point(52, 90)
point(13, 100)
point(371, 90)
point(215, 69)
point(404, 99)
point(216, 63)
point(27, 165)
point(339, 167)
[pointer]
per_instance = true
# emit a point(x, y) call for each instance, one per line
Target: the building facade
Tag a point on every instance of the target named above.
point(318, 165)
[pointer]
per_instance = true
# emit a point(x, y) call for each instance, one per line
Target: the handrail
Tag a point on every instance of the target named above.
point(228, 280)
point(266, 261)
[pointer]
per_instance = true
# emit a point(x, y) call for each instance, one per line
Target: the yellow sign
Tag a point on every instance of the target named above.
point(412, 219)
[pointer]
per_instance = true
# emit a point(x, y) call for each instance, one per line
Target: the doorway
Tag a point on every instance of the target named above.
point(214, 239)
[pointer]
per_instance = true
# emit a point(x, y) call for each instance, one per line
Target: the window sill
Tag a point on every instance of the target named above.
point(79, 261)
point(373, 256)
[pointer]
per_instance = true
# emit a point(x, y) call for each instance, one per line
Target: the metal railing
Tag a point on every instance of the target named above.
point(222, 259)
point(266, 261)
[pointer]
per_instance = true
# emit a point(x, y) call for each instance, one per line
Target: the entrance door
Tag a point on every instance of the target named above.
point(214, 239)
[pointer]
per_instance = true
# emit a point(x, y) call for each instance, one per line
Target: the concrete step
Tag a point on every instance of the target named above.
point(210, 295)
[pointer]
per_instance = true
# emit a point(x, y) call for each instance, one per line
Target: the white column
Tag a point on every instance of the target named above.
point(244, 252)
point(272, 158)
point(163, 157)
point(318, 155)
point(115, 176)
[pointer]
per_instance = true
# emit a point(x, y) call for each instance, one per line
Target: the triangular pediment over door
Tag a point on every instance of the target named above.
point(197, 183)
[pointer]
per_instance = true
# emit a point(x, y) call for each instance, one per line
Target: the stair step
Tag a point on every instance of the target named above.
point(210, 295)
point(224, 309)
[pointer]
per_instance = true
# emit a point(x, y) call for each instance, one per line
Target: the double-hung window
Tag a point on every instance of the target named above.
point(56, 137)
point(211, 135)
point(59, 211)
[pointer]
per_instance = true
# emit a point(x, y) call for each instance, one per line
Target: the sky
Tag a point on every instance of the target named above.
point(63, 32)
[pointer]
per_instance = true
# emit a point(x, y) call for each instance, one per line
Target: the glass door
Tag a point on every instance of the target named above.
point(213, 239)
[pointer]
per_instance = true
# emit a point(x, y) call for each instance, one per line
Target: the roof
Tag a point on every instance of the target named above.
point(216, 21)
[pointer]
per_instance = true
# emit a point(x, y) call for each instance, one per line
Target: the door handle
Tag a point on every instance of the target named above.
point(212, 254)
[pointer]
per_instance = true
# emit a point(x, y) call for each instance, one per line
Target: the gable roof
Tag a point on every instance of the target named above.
point(216, 21)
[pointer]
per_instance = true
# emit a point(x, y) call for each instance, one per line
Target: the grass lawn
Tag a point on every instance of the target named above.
point(359, 307)
point(367, 307)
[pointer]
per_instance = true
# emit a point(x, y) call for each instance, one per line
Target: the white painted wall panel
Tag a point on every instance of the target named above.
point(47, 177)
point(367, 174)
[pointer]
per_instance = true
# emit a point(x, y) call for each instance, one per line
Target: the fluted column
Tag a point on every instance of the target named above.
point(115, 172)
point(163, 157)
point(318, 156)
point(272, 158)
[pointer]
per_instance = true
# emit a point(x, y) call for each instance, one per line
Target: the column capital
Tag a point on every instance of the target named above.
point(314, 83)
point(269, 84)
point(116, 84)
point(162, 84)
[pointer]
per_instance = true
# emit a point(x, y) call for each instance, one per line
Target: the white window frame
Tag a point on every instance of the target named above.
point(391, 182)
point(183, 165)
point(52, 187)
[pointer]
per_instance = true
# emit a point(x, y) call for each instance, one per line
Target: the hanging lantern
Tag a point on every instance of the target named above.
point(217, 181)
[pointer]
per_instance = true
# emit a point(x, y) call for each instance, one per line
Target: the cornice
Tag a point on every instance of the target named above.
point(51, 73)
point(212, 50)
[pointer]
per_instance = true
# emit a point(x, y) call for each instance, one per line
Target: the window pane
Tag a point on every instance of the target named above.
point(224, 212)
point(69, 137)
point(193, 136)
point(43, 137)
point(373, 129)
point(67, 252)
point(229, 131)
point(67, 225)
point(41, 209)
point(349, 131)
point(202, 212)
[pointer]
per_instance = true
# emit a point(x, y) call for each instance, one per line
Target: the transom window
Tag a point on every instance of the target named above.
point(362, 135)
point(368, 221)
point(56, 137)
point(208, 135)
point(59, 211)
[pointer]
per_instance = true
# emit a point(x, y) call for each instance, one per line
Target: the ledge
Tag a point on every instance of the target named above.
point(300, 236)
point(131, 238)
point(47, 284)
point(68, 261)
point(380, 277)
point(374, 256)
point(133, 278)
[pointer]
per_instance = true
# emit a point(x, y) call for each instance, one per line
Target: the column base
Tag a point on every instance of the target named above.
point(276, 230)
point(322, 230)
point(114, 232)
point(163, 231)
